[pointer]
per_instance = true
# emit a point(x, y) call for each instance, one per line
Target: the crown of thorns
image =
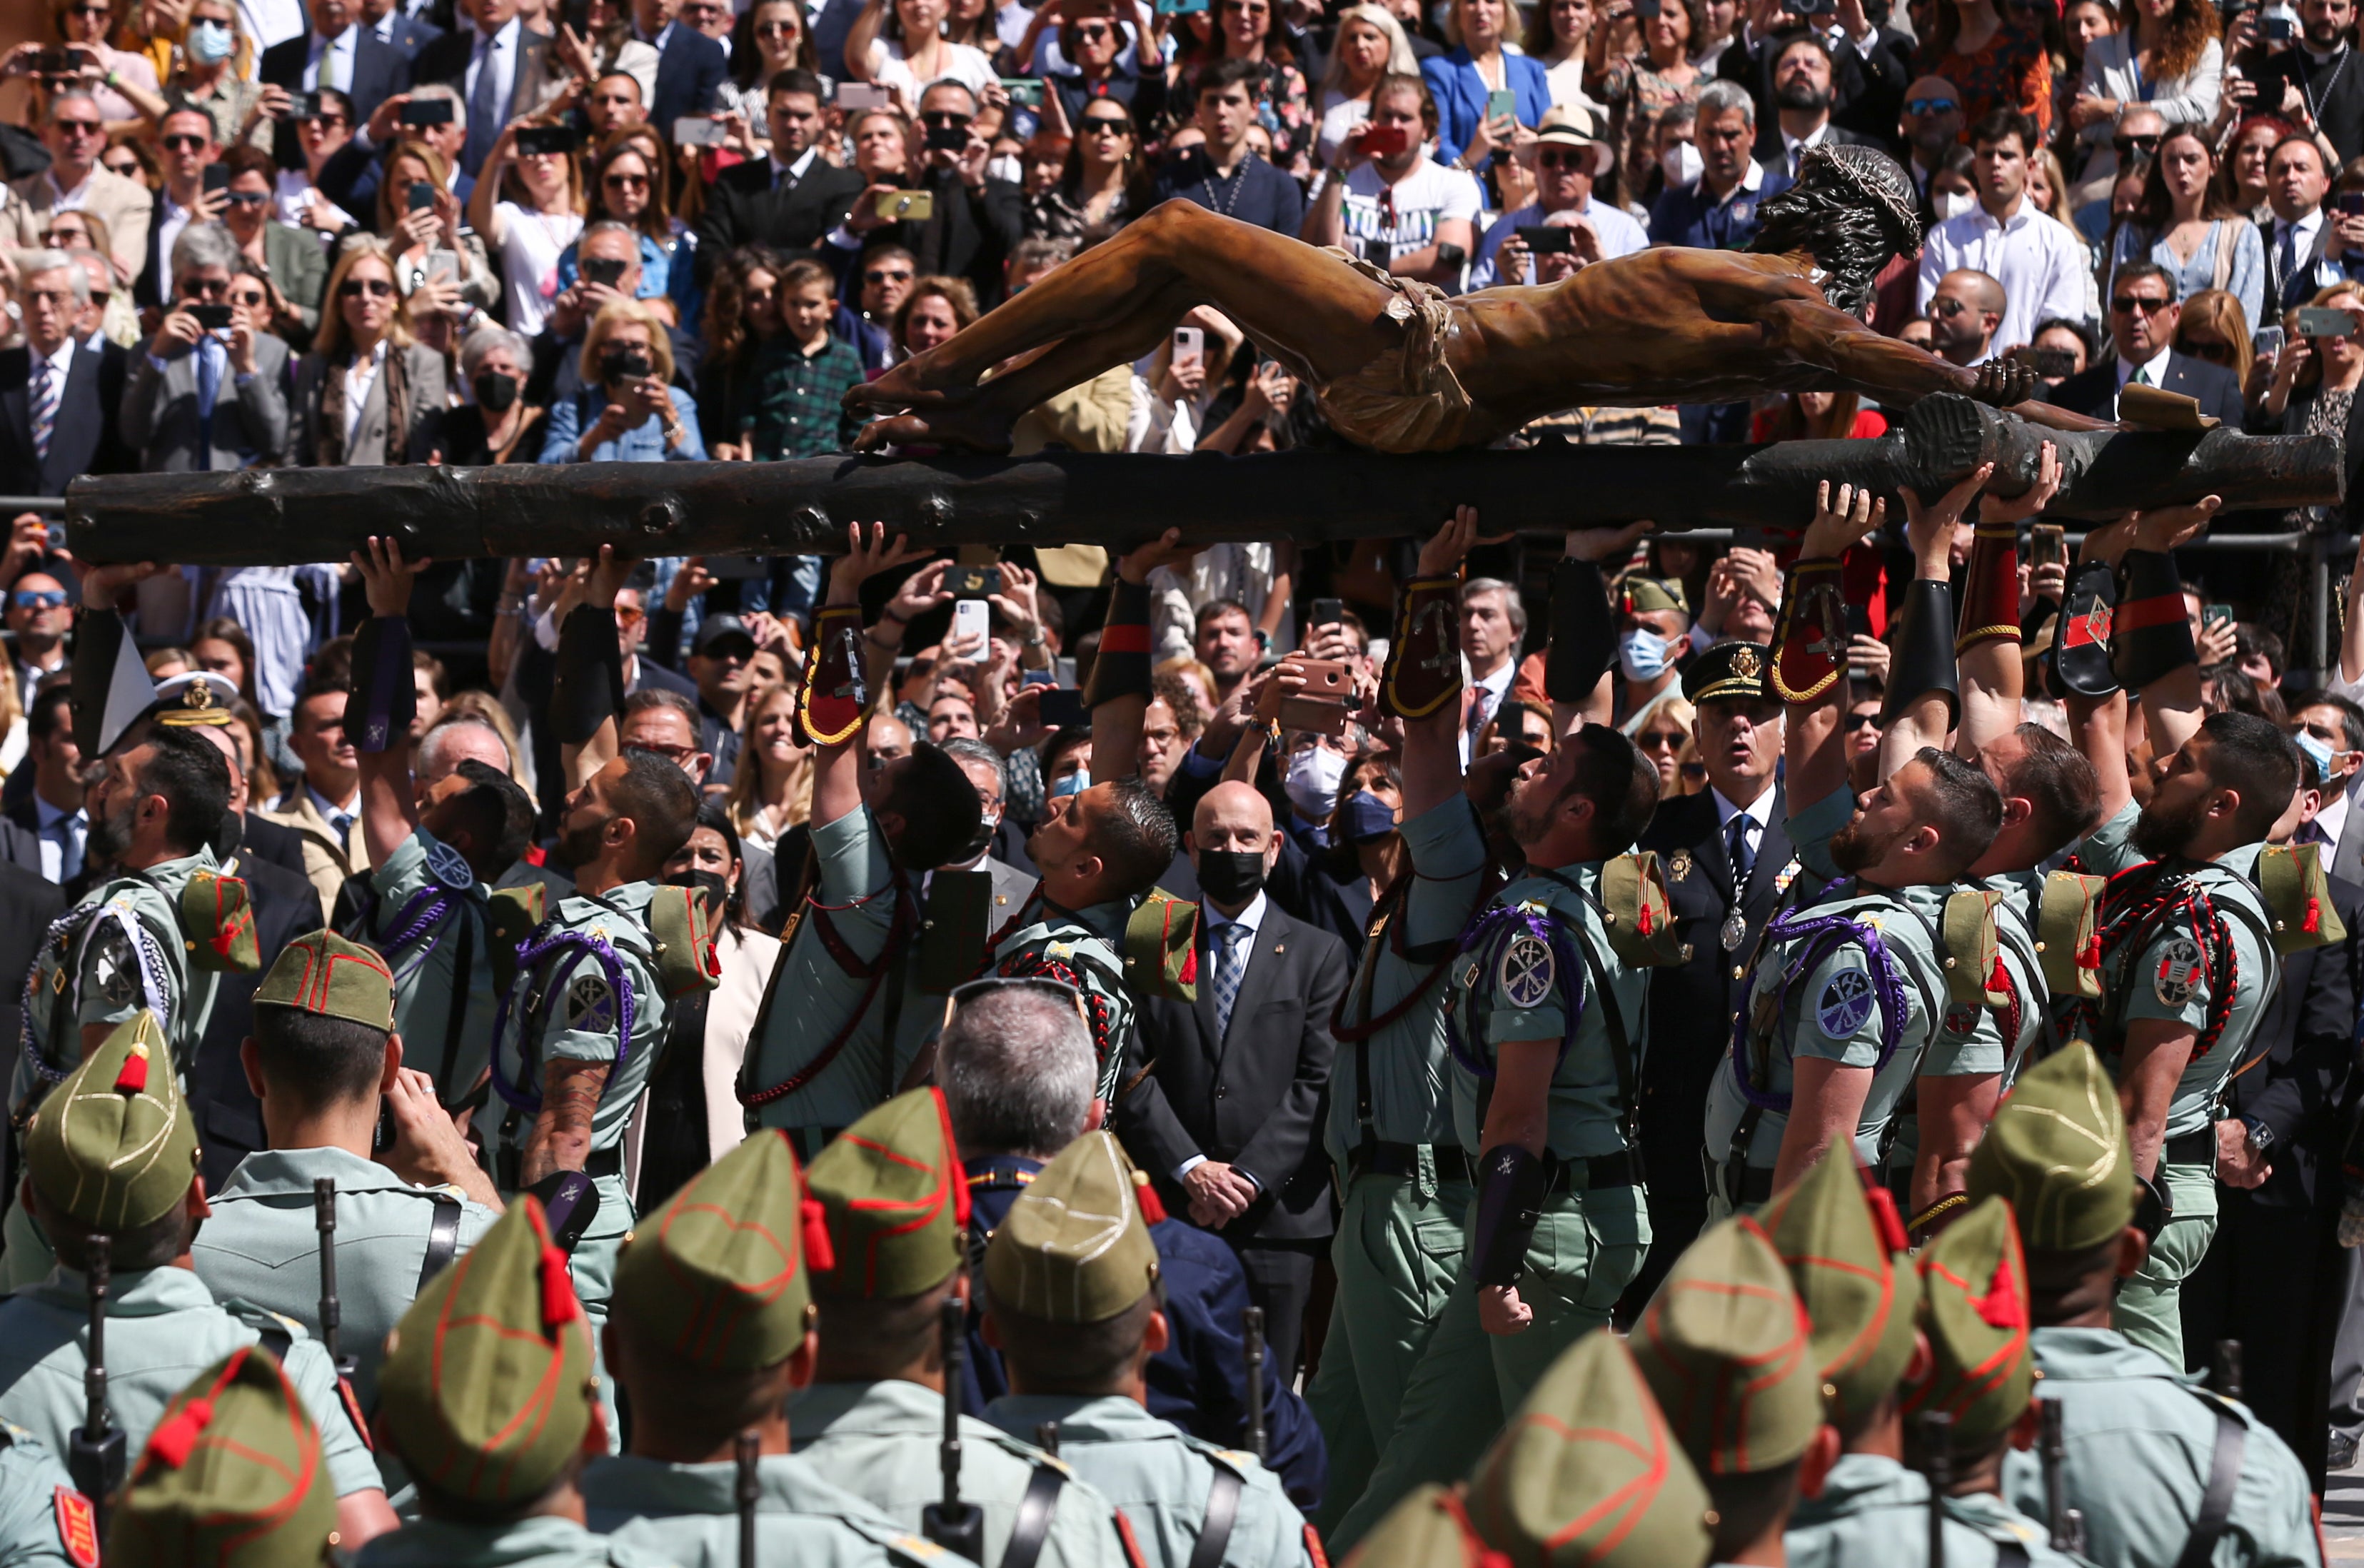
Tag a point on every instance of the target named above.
point(1874, 175)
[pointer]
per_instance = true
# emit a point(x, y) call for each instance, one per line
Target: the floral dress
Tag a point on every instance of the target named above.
point(2013, 72)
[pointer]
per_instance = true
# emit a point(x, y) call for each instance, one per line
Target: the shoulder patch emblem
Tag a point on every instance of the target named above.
point(2179, 973)
point(590, 1007)
point(1527, 973)
point(77, 1527)
point(1962, 1018)
point(1845, 1003)
point(450, 867)
point(115, 968)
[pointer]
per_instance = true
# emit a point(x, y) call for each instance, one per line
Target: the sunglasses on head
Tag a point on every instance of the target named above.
point(353, 288)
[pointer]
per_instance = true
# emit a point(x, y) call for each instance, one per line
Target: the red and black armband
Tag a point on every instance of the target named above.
point(586, 685)
point(2080, 640)
point(384, 697)
point(832, 697)
point(1120, 668)
point(1991, 589)
point(1583, 632)
point(1509, 1203)
point(2152, 635)
point(1923, 653)
point(1424, 669)
point(1810, 641)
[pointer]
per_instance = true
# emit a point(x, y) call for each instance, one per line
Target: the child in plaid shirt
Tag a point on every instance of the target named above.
point(792, 406)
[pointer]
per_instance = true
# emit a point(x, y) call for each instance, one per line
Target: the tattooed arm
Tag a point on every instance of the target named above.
point(561, 1139)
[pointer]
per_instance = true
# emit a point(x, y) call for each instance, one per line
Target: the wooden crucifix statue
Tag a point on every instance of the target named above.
point(1401, 367)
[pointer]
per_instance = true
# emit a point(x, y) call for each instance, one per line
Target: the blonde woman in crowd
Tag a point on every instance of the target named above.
point(771, 791)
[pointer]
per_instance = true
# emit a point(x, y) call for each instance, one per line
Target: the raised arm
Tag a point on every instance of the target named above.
point(836, 652)
point(1583, 645)
point(586, 695)
point(1424, 669)
point(1923, 691)
point(1119, 683)
point(384, 697)
point(1993, 674)
point(2154, 654)
point(1809, 644)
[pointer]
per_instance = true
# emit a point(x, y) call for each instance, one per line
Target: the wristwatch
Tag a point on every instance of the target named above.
point(2261, 1137)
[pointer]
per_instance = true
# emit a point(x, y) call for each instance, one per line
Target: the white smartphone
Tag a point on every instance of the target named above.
point(972, 624)
point(1189, 345)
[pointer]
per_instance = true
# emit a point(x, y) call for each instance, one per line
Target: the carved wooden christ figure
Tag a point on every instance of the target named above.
point(1401, 367)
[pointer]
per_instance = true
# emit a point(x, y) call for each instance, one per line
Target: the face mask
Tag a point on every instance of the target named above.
point(210, 42)
point(1368, 818)
point(1231, 876)
point(497, 392)
point(980, 841)
point(1642, 654)
point(1954, 203)
point(1679, 164)
point(1313, 782)
point(623, 364)
point(1073, 783)
point(713, 888)
point(2317, 749)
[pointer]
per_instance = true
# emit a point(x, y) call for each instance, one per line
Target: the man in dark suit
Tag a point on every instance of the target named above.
point(787, 201)
point(48, 822)
point(2142, 316)
point(523, 74)
point(1804, 68)
point(397, 28)
point(986, 770)
point(1724, 852)
point(28, 905)
point(337, 52)
point(58, 395)
point(1860, 94)
point(690, 66)
point(1226, 1116)
point(977, 219)
point(2323, 76)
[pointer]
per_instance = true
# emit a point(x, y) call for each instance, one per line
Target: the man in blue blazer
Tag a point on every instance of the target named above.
point(337, 50)
point(690, 66)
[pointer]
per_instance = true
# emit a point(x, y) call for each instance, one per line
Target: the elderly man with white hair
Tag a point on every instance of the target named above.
point(58, 395)
point(207, 394)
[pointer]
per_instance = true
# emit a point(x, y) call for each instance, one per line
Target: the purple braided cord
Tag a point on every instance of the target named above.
point(1820, 935)
point(64, 926)
point(531, 954)
point(1492, 929)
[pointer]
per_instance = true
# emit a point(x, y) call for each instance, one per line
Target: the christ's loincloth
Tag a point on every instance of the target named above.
point(1407, 399)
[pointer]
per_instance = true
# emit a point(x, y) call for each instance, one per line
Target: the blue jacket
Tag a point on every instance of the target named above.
point(1460, 93)
point(1199, 1380)
point(571, 415)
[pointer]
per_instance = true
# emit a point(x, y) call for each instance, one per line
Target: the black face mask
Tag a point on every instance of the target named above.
point(496, 392)
point(712, 884)
point(1231, 876)
point(623, 364)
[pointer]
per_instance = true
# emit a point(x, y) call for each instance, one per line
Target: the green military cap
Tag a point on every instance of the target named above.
point(896, 1199)
point(1643, 594)
point(1588, 1472)
point(1974, 1308)
point(1726, 1348)
point(322, 973)
point(1075, 1248)
point(113, 1145)
point(1428, 1530)
point(1846, 1254)
point(233, 1477)
point(2057, 1152)
point(721, 1276)
point(1732, 672)
point(487, 1388)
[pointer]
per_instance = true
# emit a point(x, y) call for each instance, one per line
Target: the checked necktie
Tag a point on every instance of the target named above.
point(1230, 968)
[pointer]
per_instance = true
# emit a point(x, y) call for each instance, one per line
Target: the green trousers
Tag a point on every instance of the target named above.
point(1396, 1254)
point(2149, 1309)
point(1587, 1246)
point(593, 1269)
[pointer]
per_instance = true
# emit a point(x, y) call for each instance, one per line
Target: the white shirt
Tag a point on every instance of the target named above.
point(2332, 819)
point(273, 21)
point(1406, 212)
point(330, 61)
point(2040, 264)
point(502, 50)
point(176, 219)
point(59, 829)
point(788, 175)
point(1487, 692)
point(2156, 369)
point(1251, 917)
point(1620, 236)
point(69, 201)
point(60, 364)
point(1794, 148)
point(1759, 813)
point(360, 376)
point(330, 811)
point(384, 28)
point(664, 37)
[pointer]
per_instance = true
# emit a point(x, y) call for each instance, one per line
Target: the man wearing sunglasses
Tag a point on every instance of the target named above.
point(1931, 123)
point(1567, 156)
point(76, 135)
point(2144, 314)
point(335, 51)
point(202, 397)
point(186, 142)
point(1963, 315)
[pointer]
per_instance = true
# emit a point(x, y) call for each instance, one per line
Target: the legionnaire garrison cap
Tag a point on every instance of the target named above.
point(233, 1477)
point(113, 1145)
point(1431, 1528)
point(1974, 1309)
point(719, 1277)
point(2057, 1152)
point(896, 1200)
point(322, 973)
point(1588, 1474)
point(1725, 1347)
point(1643, 594)
point(1846, 1254)
point(1075, 1248)
point(1731, 672)
point(488, 1388)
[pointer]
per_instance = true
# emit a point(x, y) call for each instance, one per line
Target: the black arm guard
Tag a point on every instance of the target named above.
point(98, 643)
point(1583, 632)
point(1510, 1199)
point(2153, 638)
point(2152, 1207)
point(1120, 668)
point(1923, 652)
point(2080, 640)
point(570, 1201)
point(586, 685)
point(385, 698)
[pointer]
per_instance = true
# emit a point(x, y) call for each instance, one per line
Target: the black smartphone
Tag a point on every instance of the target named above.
point(1063, 708)
point(1379, 254)
point(631, 365)
point(1327, 612)
point(2351, 203)
point(541, 138)
point(947, 138)
point(2048, 544)
point(217, 177)
point(1547, 239)
point(426, 111)
point(2054, 364)
point(381, 1136)
point(420, 196)
point(305, 107)
point(56, 62)
point(212, 317)
point(2280, 30)
point(605, 271)
point(972, 582)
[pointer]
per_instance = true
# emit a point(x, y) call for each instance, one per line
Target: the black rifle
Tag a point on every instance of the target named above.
point(751, 1448)
point(2068, 1524)
point(332, 1312)
point(957, 1527)
point(1252, 1331)
point(1937, 1464)
point(95, 1455)
point(1046, 1438)
point(2224, 1371)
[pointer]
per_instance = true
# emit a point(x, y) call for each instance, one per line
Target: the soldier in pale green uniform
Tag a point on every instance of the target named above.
point(325, 1049)
point(711, 1334)
point(1072, 1302)
point(2188, 967)
point(2145, 1445)
point(112, 1152)
point(873, 1422)
point(234, 1478)
point(44, 1522)
point(489, 1398)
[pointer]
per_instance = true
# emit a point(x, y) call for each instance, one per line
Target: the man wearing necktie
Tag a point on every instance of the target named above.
point(1493, 625)
point(500, 68)
point(2330, 729)
point(2143, 315)
point(1224, 1117)
point(206, 397)
point(324, 806)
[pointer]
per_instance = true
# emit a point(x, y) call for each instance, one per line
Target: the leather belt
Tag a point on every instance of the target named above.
point(608, 1161)
point(1379, 1159)
point(2191, 1148)
point(1755, 1184)
point(1590, 1174)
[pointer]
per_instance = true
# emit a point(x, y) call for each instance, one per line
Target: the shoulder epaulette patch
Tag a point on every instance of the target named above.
point(77, 1527)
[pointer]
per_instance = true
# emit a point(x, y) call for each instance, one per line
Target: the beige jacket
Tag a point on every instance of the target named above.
point(327, 861)
point(124, 206)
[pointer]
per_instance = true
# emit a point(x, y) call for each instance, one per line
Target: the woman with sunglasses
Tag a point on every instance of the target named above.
point(529, 207)
point(1099, 188)
point(1663, 737)
point(212, 55)
point(124, 82)
point(1090, 67)
point(369, 393)
point(439, 266)
point(2183, 224)
point(1369, 44)
point(776, 39)
point(292, 271)
point(304, 199)
point(628, 186)
point(2213, 329)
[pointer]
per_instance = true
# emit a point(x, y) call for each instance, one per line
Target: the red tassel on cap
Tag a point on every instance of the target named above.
point(133, 1078)
point(1886, 1220)
point(2000, 1307)
point(952, 1172)
point(2001, 979)
point(2090, 955)
point(1643, 925)
point(1191, 965)
point(2313, 925)
point(820, 1252)
point(174, 1441)
point(1152, 1207)
point(558, 1301)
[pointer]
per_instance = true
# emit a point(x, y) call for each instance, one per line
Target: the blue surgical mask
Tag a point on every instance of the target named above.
point(1073, 783)
point(2317, 749)
point(1642, 654)
point(211, 42)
